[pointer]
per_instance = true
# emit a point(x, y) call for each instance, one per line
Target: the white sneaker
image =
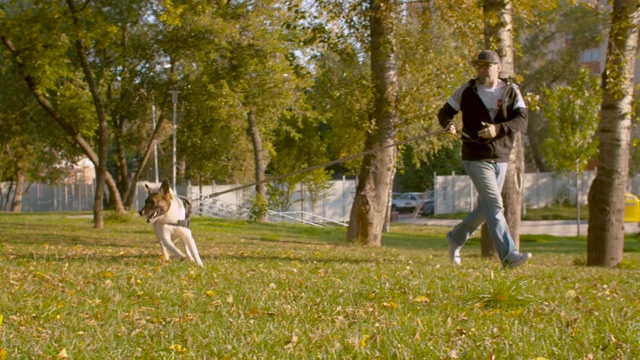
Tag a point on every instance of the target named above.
point(521, 259)
point(454, 250)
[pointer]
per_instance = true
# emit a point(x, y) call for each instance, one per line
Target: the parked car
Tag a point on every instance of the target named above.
point(428, 206)
point(400, 203)
point(424, 200)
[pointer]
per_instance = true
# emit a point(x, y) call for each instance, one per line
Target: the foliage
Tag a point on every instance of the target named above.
point(30, 145)
point(441, 161)
point(571, 113)
point(553, 38)
point(258, 209)
point(292, 291)
point(428, 77)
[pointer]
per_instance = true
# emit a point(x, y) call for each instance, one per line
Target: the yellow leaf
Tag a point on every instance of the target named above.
point(540, 358)
point(3, 354)
point(62, 354)
point(210, 293)
point(390, 304)
point(421, 299)
point(1, 319)
point(363, 340)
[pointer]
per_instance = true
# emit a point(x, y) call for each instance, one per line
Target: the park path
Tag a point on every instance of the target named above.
point(542, 227)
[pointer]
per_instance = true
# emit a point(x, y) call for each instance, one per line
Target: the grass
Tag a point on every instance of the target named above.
point(551, 212)
point(557, 212)
point(273, 291)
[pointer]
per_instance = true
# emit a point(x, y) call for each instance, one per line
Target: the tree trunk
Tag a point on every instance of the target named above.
point(374, 179)
point(122, 175)
point(6, 202)
point(16, 205)
point(498, 32)
point(605, 238)
point(103, 130)
point(260, 167)
point(512, 190)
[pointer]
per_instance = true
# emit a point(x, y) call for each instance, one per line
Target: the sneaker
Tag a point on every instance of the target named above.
point(454, 250)
point(521, 259)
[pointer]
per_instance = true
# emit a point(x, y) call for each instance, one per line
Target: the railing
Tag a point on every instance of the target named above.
point(223, 209)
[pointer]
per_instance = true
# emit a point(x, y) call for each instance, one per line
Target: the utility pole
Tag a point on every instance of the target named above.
point(174, 100)
point(155, 142)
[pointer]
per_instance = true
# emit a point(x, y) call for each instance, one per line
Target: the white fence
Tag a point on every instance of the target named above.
point(39, 197)
point(453, 193)
point(334, 206)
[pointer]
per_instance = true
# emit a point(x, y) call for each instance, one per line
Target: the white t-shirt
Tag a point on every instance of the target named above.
point(491, 97)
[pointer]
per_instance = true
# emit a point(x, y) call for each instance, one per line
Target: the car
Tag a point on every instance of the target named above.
point(428, 206)
point(423, 200)
point(400, 203)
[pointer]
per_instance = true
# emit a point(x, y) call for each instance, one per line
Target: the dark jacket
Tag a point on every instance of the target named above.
point(509, 121)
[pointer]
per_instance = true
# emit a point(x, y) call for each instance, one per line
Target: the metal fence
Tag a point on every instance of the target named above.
point(452, 193)
point(40, 197)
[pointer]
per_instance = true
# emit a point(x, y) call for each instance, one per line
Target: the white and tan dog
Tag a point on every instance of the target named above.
point(169, 216)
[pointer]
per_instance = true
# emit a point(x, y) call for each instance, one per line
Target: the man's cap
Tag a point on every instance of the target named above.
point(487, 56)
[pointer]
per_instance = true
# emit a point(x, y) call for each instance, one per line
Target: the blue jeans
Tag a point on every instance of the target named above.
point(488, 179)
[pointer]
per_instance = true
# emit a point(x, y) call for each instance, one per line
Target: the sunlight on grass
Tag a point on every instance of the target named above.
point(296, 292)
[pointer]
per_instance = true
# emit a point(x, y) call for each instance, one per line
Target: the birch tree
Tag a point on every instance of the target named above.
point(498, 35)
point(605, 239)
point(374, 179)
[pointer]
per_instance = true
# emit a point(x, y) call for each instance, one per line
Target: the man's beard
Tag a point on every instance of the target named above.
point(484, 80)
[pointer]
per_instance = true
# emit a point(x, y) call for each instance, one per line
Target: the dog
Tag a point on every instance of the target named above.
point(169, 216)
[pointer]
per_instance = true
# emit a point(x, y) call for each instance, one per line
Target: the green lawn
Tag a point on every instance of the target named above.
point(272, 291)
point(552, 212)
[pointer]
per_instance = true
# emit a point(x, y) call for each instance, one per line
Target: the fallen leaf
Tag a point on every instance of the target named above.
point(421, 299)
point(62, 354)
point(363, 341)
point(390, 304)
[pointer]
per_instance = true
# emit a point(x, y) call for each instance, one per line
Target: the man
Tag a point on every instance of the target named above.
point(493, 111)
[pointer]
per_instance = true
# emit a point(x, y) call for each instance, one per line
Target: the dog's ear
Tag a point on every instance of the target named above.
point(165, 186)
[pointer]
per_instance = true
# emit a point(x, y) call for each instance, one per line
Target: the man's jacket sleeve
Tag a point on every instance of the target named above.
point(517, 123)
point(446, 114)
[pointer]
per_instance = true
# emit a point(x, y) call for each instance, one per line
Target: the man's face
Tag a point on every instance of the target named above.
point(487, 72)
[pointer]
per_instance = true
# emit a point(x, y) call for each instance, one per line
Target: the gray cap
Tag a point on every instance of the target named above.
point(487, 56)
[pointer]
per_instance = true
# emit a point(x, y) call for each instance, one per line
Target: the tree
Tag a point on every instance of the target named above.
point(571, 114)
point(544, 65)
point(38, 81)
point(374, 179)
point(498, 34)
point(426, 77)
point(31, 147)
point(605, 239)
point(98, 103)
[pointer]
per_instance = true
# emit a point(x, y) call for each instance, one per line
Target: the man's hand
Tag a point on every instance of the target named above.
point(451, 129)
point(489, 132)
